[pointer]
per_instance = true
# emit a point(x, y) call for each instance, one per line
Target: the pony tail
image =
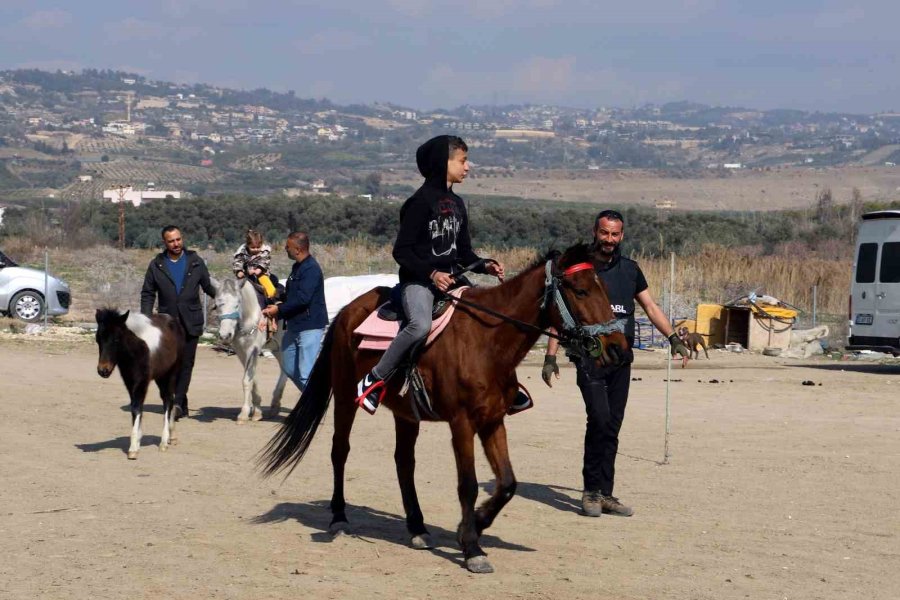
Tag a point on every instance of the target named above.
point(287, 447)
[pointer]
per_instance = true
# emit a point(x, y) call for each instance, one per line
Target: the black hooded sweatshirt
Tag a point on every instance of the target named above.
point(434, 226)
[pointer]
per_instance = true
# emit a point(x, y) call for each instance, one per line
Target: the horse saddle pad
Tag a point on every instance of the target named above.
point(378, 333)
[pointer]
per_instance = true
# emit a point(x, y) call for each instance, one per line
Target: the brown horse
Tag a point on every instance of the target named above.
point(470, 374)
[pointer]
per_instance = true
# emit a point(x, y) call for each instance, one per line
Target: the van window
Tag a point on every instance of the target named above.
point(890, 263)
point(865, 263)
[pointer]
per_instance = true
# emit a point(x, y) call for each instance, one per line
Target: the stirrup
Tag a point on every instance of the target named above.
point(521, 403)
point(371, 392)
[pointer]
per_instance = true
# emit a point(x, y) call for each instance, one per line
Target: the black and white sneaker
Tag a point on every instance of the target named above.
point(370, 390)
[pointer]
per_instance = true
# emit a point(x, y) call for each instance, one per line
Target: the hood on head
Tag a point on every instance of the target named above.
point(431, 158)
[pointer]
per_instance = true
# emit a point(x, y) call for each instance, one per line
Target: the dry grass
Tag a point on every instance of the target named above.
point(721, 274)
point(103, 276)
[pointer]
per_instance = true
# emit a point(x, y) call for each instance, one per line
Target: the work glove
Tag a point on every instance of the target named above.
point(678, 347)
point(550, 368)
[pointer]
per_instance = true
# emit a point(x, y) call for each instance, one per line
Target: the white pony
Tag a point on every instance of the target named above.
point(239, 318)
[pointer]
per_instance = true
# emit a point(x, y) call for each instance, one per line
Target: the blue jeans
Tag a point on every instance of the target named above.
point(298, 354)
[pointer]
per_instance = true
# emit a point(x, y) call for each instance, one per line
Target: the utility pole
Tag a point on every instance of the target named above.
point(122, 217)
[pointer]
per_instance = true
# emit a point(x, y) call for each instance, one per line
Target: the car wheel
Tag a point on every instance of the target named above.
point(27, 306)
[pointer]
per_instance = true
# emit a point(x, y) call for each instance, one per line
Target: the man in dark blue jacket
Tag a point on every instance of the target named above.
point(176, 276)
point(303, 311)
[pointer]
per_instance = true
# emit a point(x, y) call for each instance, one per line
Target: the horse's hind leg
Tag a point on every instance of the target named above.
point(166, 386)
point(405, 459)
point(137, 393)
point(493, 439)
point(278, 392)
point(467, 487)
point(344, 414)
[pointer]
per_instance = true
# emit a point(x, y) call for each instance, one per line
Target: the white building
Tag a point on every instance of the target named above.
point(136, 197)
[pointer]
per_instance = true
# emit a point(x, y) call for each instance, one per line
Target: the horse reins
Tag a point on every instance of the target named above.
point(573, 331)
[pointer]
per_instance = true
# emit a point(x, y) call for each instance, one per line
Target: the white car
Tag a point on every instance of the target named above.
point(22, 292)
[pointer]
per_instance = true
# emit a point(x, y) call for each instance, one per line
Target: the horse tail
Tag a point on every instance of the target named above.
point(286, 448)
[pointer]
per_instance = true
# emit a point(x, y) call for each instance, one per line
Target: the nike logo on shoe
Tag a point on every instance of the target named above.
point(369, 392)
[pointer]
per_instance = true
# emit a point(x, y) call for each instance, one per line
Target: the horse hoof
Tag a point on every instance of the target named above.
point(163, 448)
point(422, 542)
point(132, 455)
point(241, 421)
point(479, 564)
point(257, 416)
point(338, 529)
point(173, 441)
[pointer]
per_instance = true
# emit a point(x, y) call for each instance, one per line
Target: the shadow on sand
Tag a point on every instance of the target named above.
point(120, 443)
point(369, 523)
point(554, 496)
point(852, 367)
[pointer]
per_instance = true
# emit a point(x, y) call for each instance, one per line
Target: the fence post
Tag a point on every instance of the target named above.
point(815, 288)
point(46, 287)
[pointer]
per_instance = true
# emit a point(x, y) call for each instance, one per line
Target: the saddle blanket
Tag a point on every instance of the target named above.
point(377, 334)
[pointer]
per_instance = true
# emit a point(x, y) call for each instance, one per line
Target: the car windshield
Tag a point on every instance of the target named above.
point(6, 261)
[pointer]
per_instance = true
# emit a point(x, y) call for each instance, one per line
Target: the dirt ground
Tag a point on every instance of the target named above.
point(773, 490)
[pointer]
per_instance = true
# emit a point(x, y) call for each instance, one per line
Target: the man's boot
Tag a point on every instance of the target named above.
point(591, 503)
point(612, 506)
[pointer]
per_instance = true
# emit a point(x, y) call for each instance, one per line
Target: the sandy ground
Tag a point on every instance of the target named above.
point(773, 490)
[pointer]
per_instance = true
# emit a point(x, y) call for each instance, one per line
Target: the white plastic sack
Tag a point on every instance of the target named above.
point(342, 290)
point(799, 337)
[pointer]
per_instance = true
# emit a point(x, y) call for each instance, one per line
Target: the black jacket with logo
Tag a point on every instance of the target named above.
point(185, 306)
point(434, 226)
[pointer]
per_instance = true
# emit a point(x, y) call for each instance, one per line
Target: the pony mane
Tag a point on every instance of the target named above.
point(107, 315)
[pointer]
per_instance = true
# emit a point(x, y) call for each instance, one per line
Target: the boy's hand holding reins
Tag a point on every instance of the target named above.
point(550, 368)
point(441, 280)
point(496, 269)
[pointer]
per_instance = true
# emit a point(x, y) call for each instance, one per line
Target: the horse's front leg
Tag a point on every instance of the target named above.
point(467, 487)
point(493, 439)
point(137, 392)
point(250, 357)
point(407, 433)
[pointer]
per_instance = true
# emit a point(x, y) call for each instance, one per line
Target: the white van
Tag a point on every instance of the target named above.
point(875, 288)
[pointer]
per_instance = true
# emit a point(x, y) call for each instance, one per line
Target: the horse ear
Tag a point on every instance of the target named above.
point(124, 316)
point(97, 315)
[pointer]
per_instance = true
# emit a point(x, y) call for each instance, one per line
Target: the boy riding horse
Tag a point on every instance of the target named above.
point(433, 238)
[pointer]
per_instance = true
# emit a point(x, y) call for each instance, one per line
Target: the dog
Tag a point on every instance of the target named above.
point(692, 340)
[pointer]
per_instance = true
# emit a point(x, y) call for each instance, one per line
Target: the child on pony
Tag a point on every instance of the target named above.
point(252, 261)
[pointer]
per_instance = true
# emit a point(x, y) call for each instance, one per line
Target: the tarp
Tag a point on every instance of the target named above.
point(771, 310)
point(340, 291)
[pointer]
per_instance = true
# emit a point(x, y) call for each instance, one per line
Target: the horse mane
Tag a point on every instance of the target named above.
point(580, 252)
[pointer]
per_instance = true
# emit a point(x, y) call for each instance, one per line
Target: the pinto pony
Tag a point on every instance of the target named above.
point(469, 372)
point(145, 349)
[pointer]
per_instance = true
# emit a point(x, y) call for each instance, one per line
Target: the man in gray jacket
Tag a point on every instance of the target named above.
point(175, 277)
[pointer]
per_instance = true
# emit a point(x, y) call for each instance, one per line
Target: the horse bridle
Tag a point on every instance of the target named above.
point(582, 340)
point(578, 339)
point(236, 317)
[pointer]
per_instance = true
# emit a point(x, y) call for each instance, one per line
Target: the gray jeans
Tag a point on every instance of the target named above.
point(417, 301)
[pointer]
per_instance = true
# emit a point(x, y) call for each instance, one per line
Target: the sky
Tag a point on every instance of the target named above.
point(816, 55)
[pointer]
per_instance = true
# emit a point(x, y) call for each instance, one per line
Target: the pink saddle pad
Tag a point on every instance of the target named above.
point(377, 334)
